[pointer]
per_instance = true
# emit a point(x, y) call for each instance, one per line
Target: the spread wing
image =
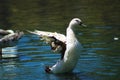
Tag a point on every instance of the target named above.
point(57, 41)
point(56, 35)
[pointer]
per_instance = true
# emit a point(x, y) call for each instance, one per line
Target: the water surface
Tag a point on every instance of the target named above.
point(100, 59)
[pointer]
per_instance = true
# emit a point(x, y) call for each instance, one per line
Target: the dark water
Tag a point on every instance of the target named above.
point(101, 58)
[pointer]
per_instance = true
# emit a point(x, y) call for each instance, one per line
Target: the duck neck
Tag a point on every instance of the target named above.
point(71, 38)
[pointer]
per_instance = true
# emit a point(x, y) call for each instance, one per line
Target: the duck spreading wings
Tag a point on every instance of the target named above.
point(8, 38)
point(68, 46)
point(57, 41)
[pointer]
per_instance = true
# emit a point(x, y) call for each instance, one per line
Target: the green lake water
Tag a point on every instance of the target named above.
point(101, 58)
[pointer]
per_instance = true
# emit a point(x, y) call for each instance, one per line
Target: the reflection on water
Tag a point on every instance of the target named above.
point(9, 50)
point(101, 59)
point(34, 55)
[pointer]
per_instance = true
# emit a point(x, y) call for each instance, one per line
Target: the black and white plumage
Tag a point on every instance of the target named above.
point(56, 45)
point(9, 38)
point(57, 41)
point(68, 46)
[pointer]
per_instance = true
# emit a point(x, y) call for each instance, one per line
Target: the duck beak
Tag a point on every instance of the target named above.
point(83, 25)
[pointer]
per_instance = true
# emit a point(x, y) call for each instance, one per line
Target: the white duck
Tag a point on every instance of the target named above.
point(68, 46)
point(8, 38)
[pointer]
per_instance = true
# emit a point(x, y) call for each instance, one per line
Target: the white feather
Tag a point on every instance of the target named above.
point(58, 36)
point(73, 47)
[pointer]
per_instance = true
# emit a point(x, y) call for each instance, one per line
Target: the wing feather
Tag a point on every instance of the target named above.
point(57, 41)
point(58, 36)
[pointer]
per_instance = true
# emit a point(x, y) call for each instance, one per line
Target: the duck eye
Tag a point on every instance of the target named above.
point(77, 21)
point(80, 23)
